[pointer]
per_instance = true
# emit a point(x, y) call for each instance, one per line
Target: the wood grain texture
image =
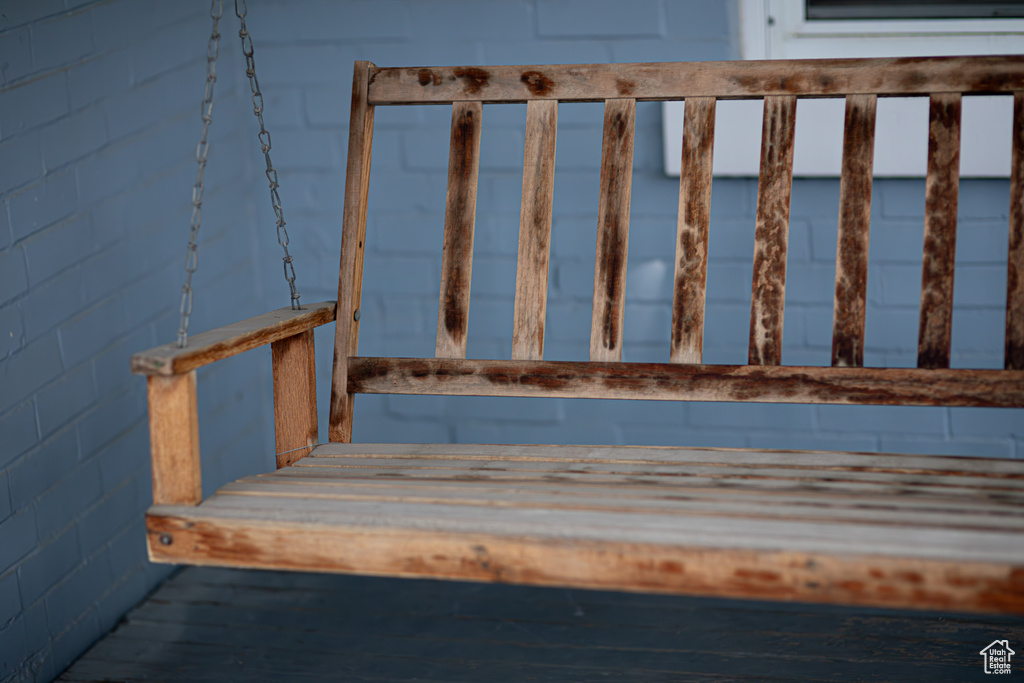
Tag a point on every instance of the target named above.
point(997, 470)
point(744, 523)
point(353, 233)
point(535, 230)
point(670, 381)
point(879, 530)
point(854, 232)
point(295, 420)
point(798, 486)
point(942, 188)
point(223, 342)
point(459, 220)
point(493, 491)
point(811, 493)
point(612, 230)
point(771, 235)
point(615, 524)
point(221, 540)
point(976, 492)
point(616, 488)
point(691, 269)
point(1014, 354)
point(725, 80)
point(174, 439)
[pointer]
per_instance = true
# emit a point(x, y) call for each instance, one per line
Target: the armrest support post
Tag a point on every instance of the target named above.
point(295, 423)
point(174, 439)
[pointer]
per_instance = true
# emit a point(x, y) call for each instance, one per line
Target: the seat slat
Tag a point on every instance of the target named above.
point(702, 479)
point(535, 230)
point(459, 220)
point(854, 232)
point(326, 482)
point(859, 495)
point(663, 483)
point(691, 267)
point(301, 498)
point(771, 235)
point(668, 473)
point(607, 499)
point(904, 463)
point(1014, 355)
point(942, 187)
point(817, 507)
point(612, 230)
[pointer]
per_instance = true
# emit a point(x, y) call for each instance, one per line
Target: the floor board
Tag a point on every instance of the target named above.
point(233, 625)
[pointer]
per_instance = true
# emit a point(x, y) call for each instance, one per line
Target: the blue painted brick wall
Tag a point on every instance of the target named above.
point(99, 117)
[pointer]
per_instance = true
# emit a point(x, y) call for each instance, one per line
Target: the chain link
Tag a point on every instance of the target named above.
point(264, 137)
point(202, 149)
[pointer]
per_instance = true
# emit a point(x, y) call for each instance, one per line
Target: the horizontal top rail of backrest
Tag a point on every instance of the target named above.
point(724, 80)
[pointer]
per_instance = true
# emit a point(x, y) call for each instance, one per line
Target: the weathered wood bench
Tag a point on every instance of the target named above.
point(891, 530)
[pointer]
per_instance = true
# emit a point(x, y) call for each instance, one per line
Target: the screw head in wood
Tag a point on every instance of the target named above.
point(166, 539)
point(355, 315)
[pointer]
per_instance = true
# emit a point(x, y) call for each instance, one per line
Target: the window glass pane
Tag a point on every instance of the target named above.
point(912, 9)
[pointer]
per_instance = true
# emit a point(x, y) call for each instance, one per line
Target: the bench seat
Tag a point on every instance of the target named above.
point(936, 532)
point(860, 529)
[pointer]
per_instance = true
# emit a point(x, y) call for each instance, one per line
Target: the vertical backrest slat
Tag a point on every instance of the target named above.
point(535, 230)
point(1014, 357)
point(459, 219)
point(771, 236)
point(854, 232)
point(353, 233)
point(612, 230)
point(942, 187)
point(691, 267)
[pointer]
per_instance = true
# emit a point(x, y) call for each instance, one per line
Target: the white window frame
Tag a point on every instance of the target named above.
point(777, 29)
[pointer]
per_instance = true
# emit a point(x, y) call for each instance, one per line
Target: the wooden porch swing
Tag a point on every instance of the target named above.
point(916, 531)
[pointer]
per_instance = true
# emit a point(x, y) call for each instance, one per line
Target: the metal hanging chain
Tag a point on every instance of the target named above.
point(264, 136)
point(192, 259)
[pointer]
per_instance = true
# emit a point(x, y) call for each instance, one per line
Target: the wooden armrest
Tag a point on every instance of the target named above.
point(227, 341)
point(171, 386)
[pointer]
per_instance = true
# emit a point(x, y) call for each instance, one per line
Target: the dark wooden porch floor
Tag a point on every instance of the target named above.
point(231, 625)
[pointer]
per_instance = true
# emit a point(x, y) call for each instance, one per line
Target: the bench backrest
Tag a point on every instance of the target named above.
point(779, 83)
